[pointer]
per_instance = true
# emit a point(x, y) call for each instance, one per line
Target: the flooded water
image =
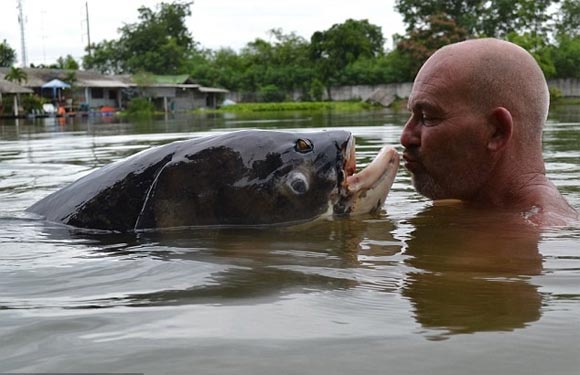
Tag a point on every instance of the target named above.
point(418, 289)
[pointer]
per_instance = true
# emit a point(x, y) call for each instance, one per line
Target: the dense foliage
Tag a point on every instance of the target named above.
point(159, 43)
point(7, 54)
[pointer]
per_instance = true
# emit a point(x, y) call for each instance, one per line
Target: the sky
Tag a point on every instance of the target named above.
point(58, 28)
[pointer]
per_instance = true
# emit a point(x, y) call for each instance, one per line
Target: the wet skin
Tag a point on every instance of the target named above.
point(246, 178)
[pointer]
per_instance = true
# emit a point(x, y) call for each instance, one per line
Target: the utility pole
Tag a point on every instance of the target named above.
point(22, 21)
point(88, 29)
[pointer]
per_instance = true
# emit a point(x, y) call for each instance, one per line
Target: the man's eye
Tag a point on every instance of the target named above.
point(427, 120)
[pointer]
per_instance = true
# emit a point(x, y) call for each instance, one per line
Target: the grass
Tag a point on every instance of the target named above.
point(296, 106)
point(566, 101)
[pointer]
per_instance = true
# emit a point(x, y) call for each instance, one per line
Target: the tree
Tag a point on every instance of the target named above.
point(394, 66)
point(491, 18)
point(438, 31)
point(159, 43)
point(566, 56)
point(67, 63)
point(17, 75)
point(332, 50)
point(263, 69)
point(7, 55)
point(106, 57)
point(568, 18)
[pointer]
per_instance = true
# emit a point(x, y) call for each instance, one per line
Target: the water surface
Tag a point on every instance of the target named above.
point(420, 288)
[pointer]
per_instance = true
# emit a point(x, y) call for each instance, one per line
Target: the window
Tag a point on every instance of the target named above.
point(97, 93)
point(113, 94)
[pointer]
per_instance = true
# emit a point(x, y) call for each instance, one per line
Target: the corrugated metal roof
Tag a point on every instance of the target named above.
point(99, 83)
point(213, 90)
point(171, 79)
point(185, 85)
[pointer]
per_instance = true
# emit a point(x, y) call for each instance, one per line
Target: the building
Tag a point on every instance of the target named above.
point(174, 93)
point(89, 90)
point(12, 91)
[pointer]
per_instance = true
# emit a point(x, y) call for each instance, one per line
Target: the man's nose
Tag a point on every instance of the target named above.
point(411, 135)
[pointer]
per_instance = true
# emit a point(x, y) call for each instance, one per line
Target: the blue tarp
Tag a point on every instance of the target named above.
point(56, 84)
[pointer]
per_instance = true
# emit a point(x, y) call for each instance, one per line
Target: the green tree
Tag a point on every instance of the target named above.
point(222, 67)
point(566, 56)
point(492, 18)
point(334, 49)
point(68, 63)
point(17, 75)
point(392, 67)
point(262, 70)
point(7, 55)
point(159, 43)
point(438, 31)
point(568, 18)
point(106, 57)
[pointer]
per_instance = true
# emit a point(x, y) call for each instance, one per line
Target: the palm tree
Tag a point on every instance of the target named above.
point(17, 75)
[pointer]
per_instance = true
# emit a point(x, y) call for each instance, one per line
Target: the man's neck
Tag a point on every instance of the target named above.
point(530, 193)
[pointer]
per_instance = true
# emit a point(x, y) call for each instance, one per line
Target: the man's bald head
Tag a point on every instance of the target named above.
point(497, 73)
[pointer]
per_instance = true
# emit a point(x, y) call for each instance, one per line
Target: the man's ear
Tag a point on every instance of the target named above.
point(502, 122)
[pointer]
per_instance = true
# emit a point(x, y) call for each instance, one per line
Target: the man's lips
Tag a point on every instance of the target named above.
point(411, 161)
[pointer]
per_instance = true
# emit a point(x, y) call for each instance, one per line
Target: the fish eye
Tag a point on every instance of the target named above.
point(298, 183)
point(299, 186)
point(304, 145)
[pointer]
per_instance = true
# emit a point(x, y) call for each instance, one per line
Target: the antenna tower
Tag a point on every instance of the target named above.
point(22, 21)
point(88, 29)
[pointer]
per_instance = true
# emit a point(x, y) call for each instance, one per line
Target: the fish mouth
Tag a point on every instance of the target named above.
point(365, 191)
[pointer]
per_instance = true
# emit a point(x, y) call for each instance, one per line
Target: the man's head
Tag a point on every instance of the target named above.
point(477, 107)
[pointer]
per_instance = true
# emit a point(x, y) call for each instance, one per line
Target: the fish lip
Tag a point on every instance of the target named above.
point(349, 159)
point(340, 199)
point(350, 190)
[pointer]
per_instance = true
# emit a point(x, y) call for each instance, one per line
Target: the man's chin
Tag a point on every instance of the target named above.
point(428, 188)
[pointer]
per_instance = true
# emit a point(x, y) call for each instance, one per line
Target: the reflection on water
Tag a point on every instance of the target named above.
point(420, 288)
point(473, 270)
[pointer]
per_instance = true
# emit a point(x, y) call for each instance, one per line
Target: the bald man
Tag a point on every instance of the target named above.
point(475, 132)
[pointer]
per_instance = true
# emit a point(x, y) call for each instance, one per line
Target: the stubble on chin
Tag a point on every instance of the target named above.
point(427, 186)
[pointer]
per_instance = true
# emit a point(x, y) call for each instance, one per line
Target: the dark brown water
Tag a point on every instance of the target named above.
point(419, 289)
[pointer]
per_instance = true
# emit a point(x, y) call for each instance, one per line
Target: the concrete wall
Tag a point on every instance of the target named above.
point(362, 92)
point(570, 87)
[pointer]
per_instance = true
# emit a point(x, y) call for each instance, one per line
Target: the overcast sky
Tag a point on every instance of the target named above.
point(55, 28)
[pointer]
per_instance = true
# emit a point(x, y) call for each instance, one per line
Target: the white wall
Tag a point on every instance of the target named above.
point(570, 87)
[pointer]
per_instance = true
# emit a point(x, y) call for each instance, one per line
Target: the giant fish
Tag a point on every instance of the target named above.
point(242, 178)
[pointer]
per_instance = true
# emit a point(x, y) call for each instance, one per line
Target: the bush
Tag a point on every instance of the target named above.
point(316, 91)
point(7, 105)
point(271, 94)
point(31, 103)
point(140, 106)
point(555, 94)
